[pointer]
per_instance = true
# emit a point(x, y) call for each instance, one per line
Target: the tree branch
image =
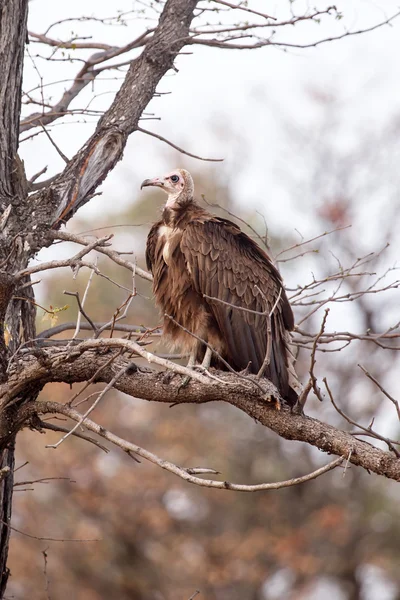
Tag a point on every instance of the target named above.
point(185, 474)
point(13, 22)
point(81, 363)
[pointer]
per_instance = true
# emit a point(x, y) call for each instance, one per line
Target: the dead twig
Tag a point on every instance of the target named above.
point(181, 472)
point(393, 400)
point(368, 430)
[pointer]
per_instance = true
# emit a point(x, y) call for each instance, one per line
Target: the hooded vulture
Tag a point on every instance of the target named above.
point(213, 281)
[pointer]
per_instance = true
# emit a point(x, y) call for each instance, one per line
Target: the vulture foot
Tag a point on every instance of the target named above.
point(298, 408)
point(186, 380)
point(184, 383)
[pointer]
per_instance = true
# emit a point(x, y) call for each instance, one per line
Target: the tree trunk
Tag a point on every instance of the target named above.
point(6, 494)
point(13, 32)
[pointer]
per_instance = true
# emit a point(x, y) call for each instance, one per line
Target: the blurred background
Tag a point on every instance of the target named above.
point(310, 141)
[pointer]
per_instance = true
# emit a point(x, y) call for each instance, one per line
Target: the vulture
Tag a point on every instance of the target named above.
point(214, 284)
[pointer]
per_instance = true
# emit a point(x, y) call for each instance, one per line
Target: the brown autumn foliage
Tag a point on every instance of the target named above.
point(154, 537)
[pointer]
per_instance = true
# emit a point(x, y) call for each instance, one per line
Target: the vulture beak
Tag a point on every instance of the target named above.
point(155, 182)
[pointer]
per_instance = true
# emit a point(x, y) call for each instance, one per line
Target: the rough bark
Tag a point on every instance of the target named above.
point(6, 495)
point(13, 18)
point(57, 364)
point(13, 33)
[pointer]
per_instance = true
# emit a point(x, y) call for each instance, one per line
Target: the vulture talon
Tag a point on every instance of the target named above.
point(184, 383)
point(187, 379)
point(298, 409)
point(214, 283)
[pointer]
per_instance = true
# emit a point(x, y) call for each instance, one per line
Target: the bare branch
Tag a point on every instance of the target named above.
point(52, 427)
point(243, 6)
point(65, 159)
point(85, 76)
point(81, 309)
point(180, 471)
point(366, 429)
point(393, 400)
point(225, 43)
point(55, 264)
point(91, 408)
point(317, 237)
point(47, 539)
point(163, 139)
point(131, 329)
point(114, 255)
point(61, 364)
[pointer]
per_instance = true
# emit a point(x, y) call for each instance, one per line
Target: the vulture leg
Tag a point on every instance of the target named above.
point(190, 365)
point(192, 358)
point(207, 359)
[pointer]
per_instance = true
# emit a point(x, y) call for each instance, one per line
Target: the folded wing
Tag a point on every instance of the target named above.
point(232, 273)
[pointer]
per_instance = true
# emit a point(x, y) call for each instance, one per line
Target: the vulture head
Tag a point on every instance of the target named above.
point(178, 185)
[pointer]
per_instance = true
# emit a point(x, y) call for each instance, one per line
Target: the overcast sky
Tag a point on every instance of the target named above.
point(248, 94)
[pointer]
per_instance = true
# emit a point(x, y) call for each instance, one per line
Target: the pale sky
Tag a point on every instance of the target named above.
point(242, 106)
point(247, 93)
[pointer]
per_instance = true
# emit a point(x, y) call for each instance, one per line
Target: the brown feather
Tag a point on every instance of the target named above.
point(192, 253)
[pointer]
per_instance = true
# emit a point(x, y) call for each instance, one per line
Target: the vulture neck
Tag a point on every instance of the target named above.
point(180, 210)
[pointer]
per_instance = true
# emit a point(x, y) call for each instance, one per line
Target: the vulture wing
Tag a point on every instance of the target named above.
point(225, 264)
point(151, 245)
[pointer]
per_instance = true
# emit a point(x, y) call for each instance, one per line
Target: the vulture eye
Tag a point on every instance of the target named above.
point(174, 178)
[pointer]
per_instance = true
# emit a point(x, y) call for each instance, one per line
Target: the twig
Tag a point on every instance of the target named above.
point(65, 159)
point(132, 329)
point(43, 480)
point(317, 237)
point(243, 7)
point(120, 373)
point(163, 139)
point(48, 539)
point(71, 237)
point(366, 429)
point(263, 313)
point(36, 176)
point(46, 577)
point(223, 43)
point(313, 379)
point(267, 357)
point(81, 309)
point(347, 463)
point(58, 428)
point(93, 378)
point(54, 264)
point(231, 214)
point(395, 402)
point(180, 471)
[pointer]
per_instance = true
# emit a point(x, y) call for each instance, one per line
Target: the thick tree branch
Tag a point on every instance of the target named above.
point(13, 23)
point(82, 362)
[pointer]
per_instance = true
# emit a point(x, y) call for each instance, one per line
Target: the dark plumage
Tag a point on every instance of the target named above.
point(193, 254)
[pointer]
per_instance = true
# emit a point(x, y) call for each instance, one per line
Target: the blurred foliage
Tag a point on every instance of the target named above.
point(158, 538)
